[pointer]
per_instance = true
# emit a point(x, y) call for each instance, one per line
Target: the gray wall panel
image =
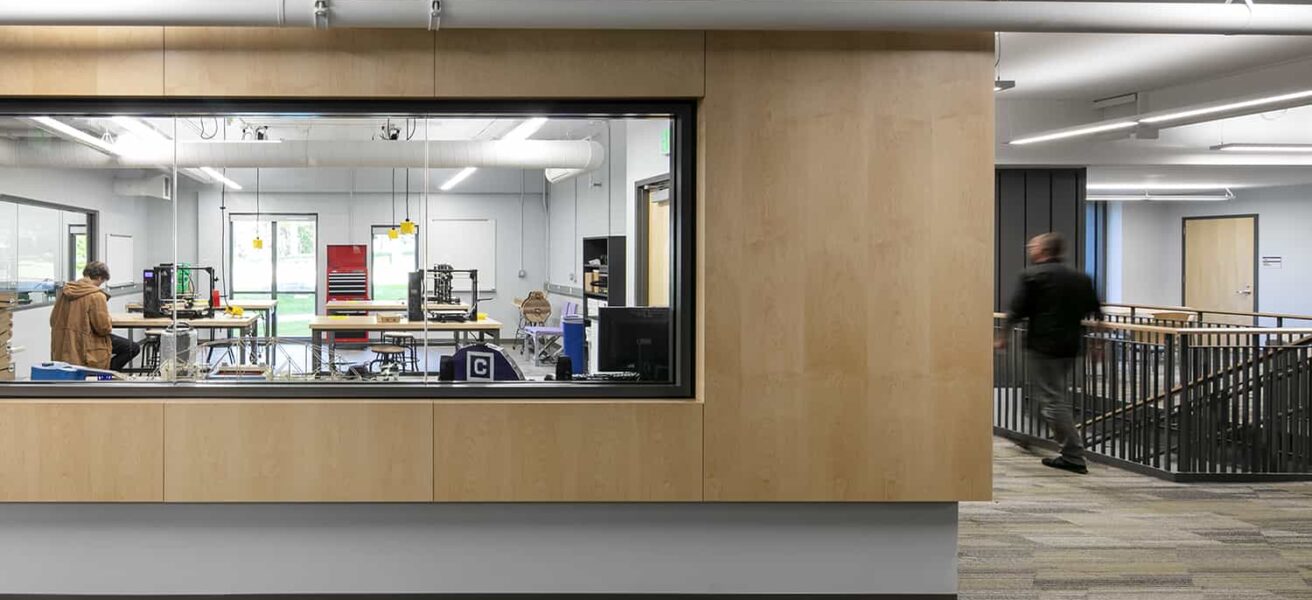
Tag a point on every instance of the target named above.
point(1031, 201)
point(885, 548)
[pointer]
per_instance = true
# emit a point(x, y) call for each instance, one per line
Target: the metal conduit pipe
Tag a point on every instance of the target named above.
point(514, 154)
point(975, 15)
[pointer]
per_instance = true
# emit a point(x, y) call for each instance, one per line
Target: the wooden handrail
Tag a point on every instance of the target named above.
point(1190, 309)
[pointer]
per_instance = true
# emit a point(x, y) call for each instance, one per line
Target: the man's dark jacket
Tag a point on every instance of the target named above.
point(1055, 299)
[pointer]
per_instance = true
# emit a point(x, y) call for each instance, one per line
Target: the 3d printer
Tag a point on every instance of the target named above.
point(171, 291)
point(431, 295)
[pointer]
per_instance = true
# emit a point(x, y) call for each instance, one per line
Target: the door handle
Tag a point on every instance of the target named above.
point(1247, 291)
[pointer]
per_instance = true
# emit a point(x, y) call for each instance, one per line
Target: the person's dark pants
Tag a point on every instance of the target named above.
point(1049, 384)
point(124, 351)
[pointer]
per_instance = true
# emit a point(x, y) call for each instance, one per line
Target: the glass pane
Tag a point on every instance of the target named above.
point(252, 267)
point(296, 256)
point(294, 314)
point(394, 259)
point(38, 252)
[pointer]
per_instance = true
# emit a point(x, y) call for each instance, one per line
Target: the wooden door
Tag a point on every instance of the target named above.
point(1220, 271)
point(658, 247)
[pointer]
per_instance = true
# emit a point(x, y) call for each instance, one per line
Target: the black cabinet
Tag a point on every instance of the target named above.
point(604, 275)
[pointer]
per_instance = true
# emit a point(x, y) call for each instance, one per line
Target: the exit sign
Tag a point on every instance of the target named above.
point(665, 141)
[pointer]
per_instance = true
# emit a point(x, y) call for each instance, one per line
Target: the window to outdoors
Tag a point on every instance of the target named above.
point(281, 266)
point(520, 249)
point(395, 256)
point(35, 259)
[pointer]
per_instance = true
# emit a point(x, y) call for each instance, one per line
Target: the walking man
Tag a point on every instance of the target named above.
point(1054, 299)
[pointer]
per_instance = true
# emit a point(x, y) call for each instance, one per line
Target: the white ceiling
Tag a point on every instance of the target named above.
point(1082, 66)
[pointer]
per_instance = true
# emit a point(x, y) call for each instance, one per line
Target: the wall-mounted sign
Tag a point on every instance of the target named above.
point(1273, 262)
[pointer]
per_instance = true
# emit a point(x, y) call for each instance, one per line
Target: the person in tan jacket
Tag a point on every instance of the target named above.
point(80, 328)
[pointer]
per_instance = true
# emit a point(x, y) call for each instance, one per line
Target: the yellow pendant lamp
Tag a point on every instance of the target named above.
point(407, 226)
point(257, 243)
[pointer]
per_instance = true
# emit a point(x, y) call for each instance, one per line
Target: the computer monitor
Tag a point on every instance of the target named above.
point(637, 339)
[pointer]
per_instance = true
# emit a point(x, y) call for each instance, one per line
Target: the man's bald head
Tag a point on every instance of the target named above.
point(1046, 247)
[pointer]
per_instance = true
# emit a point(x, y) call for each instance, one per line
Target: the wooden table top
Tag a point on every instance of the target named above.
point(371, 323)
point(220, 321)
point(385, 305)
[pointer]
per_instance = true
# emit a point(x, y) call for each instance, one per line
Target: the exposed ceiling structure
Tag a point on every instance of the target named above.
point(227, 150)
point(1187, 109)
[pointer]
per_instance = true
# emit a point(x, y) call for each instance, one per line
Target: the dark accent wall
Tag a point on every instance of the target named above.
point(1031, 201)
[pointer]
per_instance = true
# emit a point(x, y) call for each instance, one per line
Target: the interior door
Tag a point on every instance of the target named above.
point(658, 246)
point(1220, 270)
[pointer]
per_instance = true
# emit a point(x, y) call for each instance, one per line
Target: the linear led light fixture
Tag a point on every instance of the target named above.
point(1150, 197)
point(219, 177)
point(522, 131)
point(458, 177)
point(1225, 108)
point(1291, 148)
point(75, 133)
point(1002, 85)
point(525, 130)
point(1157, 187)
point(140, 128)
point(1079, 131)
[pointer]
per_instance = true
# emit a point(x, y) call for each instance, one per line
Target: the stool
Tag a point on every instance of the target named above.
point(150, 350)
point(389, 355)
point(405, 339)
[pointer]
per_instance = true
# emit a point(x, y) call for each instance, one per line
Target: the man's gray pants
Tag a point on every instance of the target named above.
point(1049, 378)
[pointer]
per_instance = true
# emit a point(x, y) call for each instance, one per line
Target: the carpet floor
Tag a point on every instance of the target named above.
point(1116, 535)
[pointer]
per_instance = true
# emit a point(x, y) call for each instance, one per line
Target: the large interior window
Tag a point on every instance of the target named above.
point(333, 248)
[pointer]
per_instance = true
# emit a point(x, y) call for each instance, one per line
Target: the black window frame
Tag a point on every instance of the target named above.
point(683, 176)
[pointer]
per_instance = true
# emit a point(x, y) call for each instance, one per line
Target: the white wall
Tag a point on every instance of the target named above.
point(346, 218)
point(1151, 247)
point(142, 218)
point(588, 205)
point(645, 160)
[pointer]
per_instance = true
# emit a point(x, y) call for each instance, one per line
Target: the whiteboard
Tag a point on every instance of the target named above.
point(120, 257)
point(465, 244)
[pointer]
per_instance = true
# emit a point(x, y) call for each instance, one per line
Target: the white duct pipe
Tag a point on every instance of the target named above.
point(975, 15)
point(519, 154)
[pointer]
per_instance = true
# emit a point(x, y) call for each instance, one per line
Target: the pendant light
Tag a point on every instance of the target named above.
point(392, 233)
point(257, 243)
point(407, 226)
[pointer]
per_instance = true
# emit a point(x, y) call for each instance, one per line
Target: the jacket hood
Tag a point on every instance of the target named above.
point(80, 288)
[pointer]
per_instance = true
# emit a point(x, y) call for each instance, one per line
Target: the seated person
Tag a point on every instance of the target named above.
point(80, 329)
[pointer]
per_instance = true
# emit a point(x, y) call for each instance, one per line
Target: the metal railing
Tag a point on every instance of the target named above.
point(1187, 403)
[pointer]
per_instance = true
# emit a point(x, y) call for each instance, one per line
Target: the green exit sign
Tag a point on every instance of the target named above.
point(665, 141)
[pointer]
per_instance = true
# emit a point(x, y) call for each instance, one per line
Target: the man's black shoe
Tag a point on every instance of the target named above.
point(1060, 462)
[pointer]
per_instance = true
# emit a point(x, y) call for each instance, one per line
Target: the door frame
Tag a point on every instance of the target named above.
point(640, 234)
point(1184, 253)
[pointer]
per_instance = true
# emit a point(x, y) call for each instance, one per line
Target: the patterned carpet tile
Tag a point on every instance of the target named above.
point(1115, 535)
